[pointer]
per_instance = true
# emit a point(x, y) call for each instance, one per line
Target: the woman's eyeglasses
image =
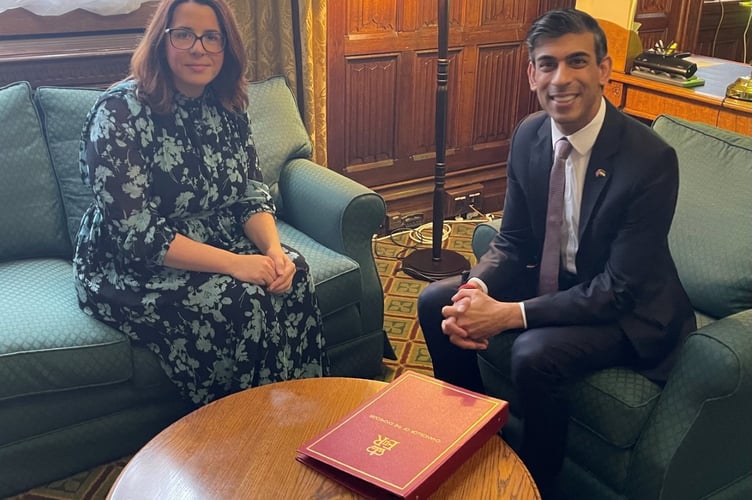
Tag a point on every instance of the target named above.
point(183, 39)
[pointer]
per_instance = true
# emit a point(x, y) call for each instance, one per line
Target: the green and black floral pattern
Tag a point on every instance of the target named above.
point(193, 172)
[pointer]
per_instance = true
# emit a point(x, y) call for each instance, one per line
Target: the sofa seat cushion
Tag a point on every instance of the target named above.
point(47, 344)
point(588, 454)
point(42, 414)
point(612, 404)
point(335, 276)
point(32, 221)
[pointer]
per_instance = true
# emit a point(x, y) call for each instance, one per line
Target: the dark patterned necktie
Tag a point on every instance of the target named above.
point(549, 268)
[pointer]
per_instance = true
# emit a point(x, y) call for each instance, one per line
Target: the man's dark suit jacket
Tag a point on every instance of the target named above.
point(625, 273)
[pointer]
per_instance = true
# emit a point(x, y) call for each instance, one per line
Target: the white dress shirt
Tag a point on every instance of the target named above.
point(582, 146)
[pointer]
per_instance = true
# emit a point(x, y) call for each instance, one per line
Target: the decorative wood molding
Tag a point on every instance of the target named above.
point(74, 49)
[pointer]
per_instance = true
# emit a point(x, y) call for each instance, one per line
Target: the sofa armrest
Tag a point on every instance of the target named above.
point(342, 215)
point(482, 236)
point(698, 439)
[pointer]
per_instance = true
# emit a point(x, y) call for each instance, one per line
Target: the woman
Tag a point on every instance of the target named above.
point(179, 248)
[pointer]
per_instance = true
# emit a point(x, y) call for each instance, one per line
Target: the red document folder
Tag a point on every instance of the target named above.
point(407, 439)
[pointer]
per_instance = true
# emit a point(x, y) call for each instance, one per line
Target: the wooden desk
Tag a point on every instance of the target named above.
point(243, 446)
point(707, 103)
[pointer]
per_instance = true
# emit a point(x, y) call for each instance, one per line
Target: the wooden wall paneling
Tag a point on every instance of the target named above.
point(688, 22)
point(370, 113)
point(546, 5)
point(721, 33)
point(488, 89)
point(499, 68)
point(487, 94)
point(74, 49)
point(668, 20)
point(371, 18)
point(655, 25)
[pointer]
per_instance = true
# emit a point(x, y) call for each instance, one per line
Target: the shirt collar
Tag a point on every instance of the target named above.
point(583, 140)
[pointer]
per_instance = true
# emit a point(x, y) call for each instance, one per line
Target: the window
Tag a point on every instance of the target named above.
point(58, 7)
point(77, 48)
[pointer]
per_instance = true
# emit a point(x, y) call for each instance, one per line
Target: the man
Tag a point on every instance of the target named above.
point(618, 300)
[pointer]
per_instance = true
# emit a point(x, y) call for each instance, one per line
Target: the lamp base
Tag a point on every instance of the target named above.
point(421, 265)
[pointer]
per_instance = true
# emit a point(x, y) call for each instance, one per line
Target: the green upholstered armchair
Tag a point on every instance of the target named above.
point(630, 438)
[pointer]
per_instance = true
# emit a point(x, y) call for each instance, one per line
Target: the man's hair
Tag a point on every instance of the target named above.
point(154, 78)
point(557, 23)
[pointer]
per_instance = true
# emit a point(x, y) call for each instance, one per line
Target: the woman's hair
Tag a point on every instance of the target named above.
point(152, 73)
point(557, 23)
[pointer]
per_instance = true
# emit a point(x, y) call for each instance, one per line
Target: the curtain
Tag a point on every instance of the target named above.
point(270, 36)
point(58, 7)
point(313, 41)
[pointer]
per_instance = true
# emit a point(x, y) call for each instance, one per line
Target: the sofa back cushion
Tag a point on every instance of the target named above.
point(31, 220)
point(277, 129)
point(63, 113)
point(711, 235)
point(276, 126)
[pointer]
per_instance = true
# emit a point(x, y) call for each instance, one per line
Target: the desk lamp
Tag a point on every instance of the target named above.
point(741, 88)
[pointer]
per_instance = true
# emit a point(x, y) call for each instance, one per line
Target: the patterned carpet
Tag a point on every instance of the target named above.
point(400, 322)
point(401, 295)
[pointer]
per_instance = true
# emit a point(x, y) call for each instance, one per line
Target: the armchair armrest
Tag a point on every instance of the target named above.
point(340, 214)
point(482, 236)
point(698, 439)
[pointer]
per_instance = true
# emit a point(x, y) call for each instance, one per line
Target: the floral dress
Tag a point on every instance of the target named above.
point(193, 171)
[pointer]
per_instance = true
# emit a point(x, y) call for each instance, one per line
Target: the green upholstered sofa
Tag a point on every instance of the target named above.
point(630, 438)
point(75, 393)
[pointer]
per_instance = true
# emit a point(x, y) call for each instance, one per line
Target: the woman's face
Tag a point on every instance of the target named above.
point(193, 69)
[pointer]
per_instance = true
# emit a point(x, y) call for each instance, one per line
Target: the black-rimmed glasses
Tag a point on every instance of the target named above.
point(183, 39)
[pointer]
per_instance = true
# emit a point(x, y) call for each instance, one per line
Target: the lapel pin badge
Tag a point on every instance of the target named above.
point(600, 173)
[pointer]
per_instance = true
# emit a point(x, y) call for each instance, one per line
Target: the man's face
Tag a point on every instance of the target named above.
point(568, 80)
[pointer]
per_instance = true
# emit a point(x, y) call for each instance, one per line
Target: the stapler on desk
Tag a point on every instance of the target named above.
point(670, 68)
point(671, 64)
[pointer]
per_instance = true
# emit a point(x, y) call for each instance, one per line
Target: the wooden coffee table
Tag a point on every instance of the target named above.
point(243, 446)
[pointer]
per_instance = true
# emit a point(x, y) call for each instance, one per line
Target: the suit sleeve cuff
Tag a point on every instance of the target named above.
point(524, 317)
point(478, 284)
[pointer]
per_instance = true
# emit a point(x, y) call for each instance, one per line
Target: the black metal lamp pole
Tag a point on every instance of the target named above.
point(436, 263)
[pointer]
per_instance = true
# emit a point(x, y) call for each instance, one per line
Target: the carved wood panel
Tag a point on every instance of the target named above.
point(496, 64)
point(371, 132)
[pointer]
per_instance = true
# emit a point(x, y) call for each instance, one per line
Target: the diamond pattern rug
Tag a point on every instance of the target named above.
point(400, 322)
